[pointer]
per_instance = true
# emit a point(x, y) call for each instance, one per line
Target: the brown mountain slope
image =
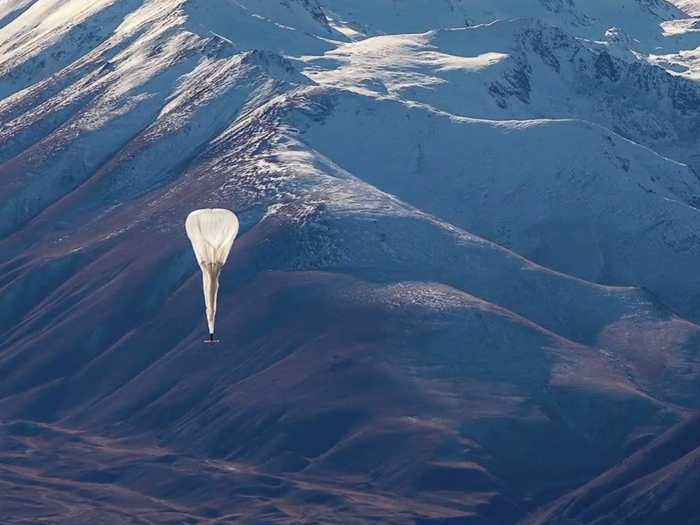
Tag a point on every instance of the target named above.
point(655, 486)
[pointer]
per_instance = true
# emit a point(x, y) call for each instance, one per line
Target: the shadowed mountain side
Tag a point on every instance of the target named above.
point(395, 387)
point(656, 485)
point(50, 474)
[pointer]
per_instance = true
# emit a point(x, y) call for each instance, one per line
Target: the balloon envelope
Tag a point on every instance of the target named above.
point(211, 232)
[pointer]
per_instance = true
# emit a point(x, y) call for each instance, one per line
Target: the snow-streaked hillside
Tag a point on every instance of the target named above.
point(690, 7)
point(465, 283)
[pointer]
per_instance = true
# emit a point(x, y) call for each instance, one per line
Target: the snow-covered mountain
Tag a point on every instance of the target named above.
point(465, 284)
point(690, 7)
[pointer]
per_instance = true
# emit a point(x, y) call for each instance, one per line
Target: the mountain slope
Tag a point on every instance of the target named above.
point(454, 168)
point(690, 7)
point(655, 485)
point(523, 69)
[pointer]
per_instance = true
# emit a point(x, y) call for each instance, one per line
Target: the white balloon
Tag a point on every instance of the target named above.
point(211, 232)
